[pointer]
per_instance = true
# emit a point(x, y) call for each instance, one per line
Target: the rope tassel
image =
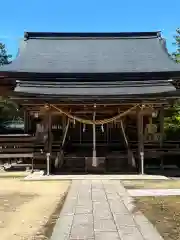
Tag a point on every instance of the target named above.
point(102, 128)
point(84, 127)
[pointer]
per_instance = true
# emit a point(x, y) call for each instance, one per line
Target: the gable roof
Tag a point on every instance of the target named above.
point(92, 53)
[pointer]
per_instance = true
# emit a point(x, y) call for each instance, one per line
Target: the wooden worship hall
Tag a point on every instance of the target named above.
point(101, 98)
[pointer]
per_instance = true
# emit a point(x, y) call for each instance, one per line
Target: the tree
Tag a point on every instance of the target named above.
point(8, 109)
point(176, 54)
point(172, 121)
point(4, 57)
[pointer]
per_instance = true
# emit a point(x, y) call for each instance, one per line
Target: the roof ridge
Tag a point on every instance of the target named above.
point(34, 35)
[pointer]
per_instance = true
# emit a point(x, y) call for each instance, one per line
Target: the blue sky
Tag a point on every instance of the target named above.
point(18, 16)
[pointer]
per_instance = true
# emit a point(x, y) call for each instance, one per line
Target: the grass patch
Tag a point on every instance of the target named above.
point(151, 184)
point(164, 214)
point(29, 210)
point(13, 174)
point(47, 230)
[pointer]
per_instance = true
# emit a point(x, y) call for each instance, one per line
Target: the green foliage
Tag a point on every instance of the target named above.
point(4, 57)
point(172, 122)
point(176, 54)
point(8, 109)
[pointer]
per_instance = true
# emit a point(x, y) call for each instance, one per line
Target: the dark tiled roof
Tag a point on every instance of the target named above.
point(92, 53)
point(94, 89)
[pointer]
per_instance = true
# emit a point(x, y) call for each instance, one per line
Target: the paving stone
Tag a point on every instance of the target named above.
point(106, 225)
point(83, 209)
point(102, 213)
point(68, 209)
point(84, 196)
point(123, 220)
point(82, 232)
point(106, 236)
point(98, 197)
point(85, 238)
point(98, 191)
point(154, 192)
point(82, 201)
point(83, 219)
point(113, 196)
point(127, 199)
point(118, 207)
point(97, 186)
point(62, 228)
point(100, 204)
point(147, 229)
point(130, 233)
point(68, 212)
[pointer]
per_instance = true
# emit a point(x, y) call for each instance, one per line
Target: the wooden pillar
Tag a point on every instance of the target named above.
point(94, 158)
point(26, 121)
point(49, 140)
point(49, 131)
point(80, 133)
point(161, 119)
point(161, 137)
point(140, 140)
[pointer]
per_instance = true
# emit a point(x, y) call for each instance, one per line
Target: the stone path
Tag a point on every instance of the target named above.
point(100, 210)
point(153, 192)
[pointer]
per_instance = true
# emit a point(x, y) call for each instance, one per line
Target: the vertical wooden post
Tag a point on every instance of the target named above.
point(80, 133)
point(26, 121)
point(32, 165)
point(49, 140)
point(107, 133)
point(161, 139)
point(161, 119)
point(94, 158)
point(140, 140)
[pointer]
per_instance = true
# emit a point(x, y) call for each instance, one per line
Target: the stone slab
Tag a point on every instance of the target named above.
point(62, 228)
point(106, 225)
point(107, 236)
point(95, 177)
point(154, 192)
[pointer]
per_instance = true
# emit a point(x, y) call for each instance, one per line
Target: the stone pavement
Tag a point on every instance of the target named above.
point(153, 192)
point(101, 210)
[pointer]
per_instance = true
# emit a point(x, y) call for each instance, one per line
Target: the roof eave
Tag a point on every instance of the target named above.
point(84, 76)
point(31, 35)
